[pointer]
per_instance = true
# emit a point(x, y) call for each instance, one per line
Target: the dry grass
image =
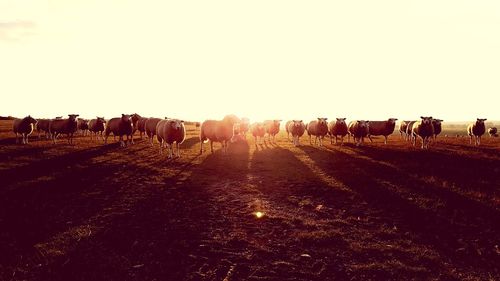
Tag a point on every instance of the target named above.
point(377, 212)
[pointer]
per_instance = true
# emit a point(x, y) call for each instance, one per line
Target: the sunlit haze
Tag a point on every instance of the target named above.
point(260, 59)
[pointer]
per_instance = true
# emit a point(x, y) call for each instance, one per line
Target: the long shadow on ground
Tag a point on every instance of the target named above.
point(462, 230)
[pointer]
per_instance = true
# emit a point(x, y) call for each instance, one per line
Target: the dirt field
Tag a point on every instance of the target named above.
point(379, 212)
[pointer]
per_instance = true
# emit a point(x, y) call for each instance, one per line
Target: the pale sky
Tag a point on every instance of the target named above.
point(260, 59)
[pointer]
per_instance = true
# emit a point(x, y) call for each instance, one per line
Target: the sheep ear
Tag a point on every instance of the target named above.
point(123, 115)
point(421, 117)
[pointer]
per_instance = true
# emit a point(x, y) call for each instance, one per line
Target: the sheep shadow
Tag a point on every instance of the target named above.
point(465, 172)
point(37, 209)
point(170, 235)
point(435, 215)
point(51, 165)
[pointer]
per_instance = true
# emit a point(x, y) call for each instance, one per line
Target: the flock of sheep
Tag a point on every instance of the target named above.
point(171, 132)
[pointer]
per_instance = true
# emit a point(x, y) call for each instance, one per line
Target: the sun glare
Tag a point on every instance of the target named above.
point(259, 214)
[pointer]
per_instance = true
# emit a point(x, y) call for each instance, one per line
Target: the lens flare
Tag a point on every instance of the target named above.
point(259, 214)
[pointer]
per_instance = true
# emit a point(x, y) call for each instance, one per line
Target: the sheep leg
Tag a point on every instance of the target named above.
point(370, 137)
point(170, 150)
point(178, 150)
point(211, 146)
point(122, 144)
point(385, 142)
point(479, 140)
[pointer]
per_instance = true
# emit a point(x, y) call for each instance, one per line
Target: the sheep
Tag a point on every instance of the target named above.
point(272, 129)
point(337, 128)
point(402, 129)
point(120, 126)
point(318, 129)
point(150, 128)
point(423, 129)
point(476, 130)
point(82, 125)
point(141, 126)
point(42, 125)
point(168, 132)
point(382, 128)
point(492, 132)
point(287, 124)
point(358, 130)
point(67, 126)
point(297, 128)
point(135, 119)
point(97, 126)
point(409, 130)
point(218, 131)
point(436, 123)
point(244, 127)
point(24, 128)
point(258, 131)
